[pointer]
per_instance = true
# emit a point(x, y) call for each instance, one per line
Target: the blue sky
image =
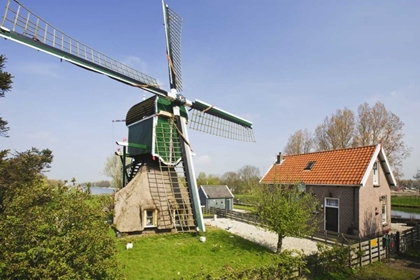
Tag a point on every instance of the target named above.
point(284, 65)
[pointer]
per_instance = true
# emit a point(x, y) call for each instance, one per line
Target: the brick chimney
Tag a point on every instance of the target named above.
point(279, 158)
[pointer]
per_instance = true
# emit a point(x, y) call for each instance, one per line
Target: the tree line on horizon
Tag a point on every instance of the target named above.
point(371, 125)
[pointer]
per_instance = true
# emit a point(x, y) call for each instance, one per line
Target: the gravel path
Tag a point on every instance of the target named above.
point(269, 239)
point(261, 236)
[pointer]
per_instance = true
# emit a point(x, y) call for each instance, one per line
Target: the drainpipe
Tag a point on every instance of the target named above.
point(354, 206)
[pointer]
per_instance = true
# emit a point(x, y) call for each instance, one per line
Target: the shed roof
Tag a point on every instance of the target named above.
point(212, 191)
point(336, 167)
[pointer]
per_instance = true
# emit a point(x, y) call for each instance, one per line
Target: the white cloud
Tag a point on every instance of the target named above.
point(202, 160)
point(135, 62)
point(395, 93)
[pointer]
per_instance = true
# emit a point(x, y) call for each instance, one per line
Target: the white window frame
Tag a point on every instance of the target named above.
point(384, 211)
point(375, 171)
point(153, 221)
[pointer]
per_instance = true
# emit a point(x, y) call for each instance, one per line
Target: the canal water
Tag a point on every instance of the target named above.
point(98, 191)
point(406, 212)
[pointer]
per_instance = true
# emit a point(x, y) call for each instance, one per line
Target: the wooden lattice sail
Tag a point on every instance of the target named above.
point(158, 141)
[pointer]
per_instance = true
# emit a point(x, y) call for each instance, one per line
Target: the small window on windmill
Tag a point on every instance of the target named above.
point(150, 218)
point(309, 165)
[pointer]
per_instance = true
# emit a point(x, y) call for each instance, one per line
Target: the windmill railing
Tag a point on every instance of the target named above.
point(22, 21)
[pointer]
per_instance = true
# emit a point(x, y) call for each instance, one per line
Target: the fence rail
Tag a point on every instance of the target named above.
point(234, 215)
point(367, 252)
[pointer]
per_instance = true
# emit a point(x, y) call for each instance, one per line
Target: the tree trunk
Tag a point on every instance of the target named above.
point(279, 243)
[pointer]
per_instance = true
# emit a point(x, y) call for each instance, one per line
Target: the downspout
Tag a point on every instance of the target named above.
point(354, 206)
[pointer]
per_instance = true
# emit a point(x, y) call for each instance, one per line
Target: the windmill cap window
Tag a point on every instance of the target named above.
point(309, 165)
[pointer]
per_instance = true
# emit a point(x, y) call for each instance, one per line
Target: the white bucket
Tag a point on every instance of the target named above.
point(215, 217)
point(203, 239)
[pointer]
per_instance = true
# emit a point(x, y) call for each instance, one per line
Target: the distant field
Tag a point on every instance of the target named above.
point(171, 256)
point(405, 201)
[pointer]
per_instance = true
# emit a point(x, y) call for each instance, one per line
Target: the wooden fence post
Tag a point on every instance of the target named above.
point(379, 249)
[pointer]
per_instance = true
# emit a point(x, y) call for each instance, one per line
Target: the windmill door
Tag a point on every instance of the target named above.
point(331, 214)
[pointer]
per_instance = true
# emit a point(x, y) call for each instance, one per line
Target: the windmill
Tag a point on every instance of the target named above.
point(161, 191)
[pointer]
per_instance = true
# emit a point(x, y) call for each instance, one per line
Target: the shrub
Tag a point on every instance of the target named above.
point(333, 262)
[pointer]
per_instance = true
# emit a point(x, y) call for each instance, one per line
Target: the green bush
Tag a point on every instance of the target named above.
point(332, 262)
point(50, 232)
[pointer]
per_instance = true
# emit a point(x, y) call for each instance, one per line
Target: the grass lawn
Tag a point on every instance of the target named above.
point(171, 256)
point(414, 252)
point(405, 201)
point(250, 209)
point(245, 198)
point(383, 271)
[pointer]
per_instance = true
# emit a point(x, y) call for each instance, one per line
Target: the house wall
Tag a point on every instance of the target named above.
point(346, 216)
point(203, 198)
point(216, 203)
point(370, 210)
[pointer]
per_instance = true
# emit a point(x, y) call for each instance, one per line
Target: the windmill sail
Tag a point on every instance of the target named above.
point(21, 25)
point(162, 168)
point(212, 120)
point(205, 118)
point(173, 30)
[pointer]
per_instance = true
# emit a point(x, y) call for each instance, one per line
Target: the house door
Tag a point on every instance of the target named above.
point(229, 204)
point(331, 214)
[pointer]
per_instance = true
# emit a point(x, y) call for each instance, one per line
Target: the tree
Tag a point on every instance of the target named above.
point(102, 184)
point(285, 210)
point(417, 175)
point(249, 176)
point(50, 231)
point(378, 125)
point(5, 86)
point(336, 132)
point(21, 169)
point(231, 179)
point(300, 142)
point(114, 169)
point(211, 179)
point(372, 126)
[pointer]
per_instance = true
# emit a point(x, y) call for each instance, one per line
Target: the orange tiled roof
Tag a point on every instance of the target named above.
point(336, 167)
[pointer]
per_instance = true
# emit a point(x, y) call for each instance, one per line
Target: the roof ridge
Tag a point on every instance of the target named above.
point(330, 151)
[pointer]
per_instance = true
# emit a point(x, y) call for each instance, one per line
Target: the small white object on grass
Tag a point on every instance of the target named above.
point(129, 245)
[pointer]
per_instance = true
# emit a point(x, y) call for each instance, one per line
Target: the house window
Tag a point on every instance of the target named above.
point(331, 202)
point(375, 174)
point(309, 165)
point(150, 218)
point(384, 210)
